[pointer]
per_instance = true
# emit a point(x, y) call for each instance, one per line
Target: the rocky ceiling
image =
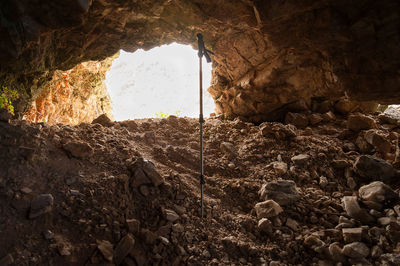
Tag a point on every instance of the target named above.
point(268, 53)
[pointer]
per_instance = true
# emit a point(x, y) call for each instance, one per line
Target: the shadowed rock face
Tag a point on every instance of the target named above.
point(267, 53)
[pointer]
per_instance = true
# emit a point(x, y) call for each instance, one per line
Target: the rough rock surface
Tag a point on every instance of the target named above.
point(72, 97)
point(268, 55)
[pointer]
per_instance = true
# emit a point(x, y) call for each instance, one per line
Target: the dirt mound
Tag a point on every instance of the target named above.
point(128, 193)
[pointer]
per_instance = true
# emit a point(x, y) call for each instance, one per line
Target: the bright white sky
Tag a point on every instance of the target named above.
point(165, 79)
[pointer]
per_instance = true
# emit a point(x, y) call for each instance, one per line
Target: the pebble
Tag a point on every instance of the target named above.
point(353, 210)
point(300, 159)
point(356, 250)
point(106, 249)
point(171, 215)
point(283, 192)
point(352, 234)
point(377, 192)
point(267, 209)
point(265, 225)
point(41, 205)
point(292, 224)
point(124, 246)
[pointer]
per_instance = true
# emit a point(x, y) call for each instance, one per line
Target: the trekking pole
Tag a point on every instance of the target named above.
point(202, 51)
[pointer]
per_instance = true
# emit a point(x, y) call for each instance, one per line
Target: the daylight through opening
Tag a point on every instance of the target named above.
point(156, 83)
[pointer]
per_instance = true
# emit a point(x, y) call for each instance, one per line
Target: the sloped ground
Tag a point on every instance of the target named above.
point(83, 195)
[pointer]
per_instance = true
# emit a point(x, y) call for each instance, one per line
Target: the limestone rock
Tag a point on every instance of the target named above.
point(377, 139)
point(171, 215)
point(265, 225)
point(125, 245)
point(352, 234)
point(280, 167)
point(378, 192)
point(300, 159)
point(41, 205)
point(143, 166)
point(390, 116)
point(357, 122)
point(336, 252)
point(292, 224)
point(374, 168)
point(297, 119)
point(78, 149)
point(315, 119)
point(106, 249)
point(353, 210)
point(282, 191)
point(267, 209)
point(356, 250)
point(103, 120)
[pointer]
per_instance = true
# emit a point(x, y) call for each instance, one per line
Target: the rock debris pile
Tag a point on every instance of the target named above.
point(321, 189)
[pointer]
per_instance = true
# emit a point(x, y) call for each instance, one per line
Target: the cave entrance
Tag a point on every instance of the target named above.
point(158, 82)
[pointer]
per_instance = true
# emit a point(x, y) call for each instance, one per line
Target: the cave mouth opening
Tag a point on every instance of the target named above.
point(159, 82)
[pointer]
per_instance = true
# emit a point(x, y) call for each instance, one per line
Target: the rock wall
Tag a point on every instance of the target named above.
point(267, 53)
point(74, 96)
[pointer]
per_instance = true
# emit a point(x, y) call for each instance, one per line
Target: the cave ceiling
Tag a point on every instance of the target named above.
point(267, 53)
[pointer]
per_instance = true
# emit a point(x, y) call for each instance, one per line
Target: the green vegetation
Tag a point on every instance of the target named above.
point(7, 96)
point(162, 114)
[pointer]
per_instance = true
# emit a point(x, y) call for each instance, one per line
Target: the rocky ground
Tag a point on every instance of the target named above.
point(320, 189)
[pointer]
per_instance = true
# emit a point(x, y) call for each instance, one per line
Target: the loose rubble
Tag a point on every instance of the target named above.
point(321, 190)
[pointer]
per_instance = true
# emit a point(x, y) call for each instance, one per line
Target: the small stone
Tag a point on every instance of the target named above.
point(164, 240)
point(103, 120)
point(300, 159)
point(267, 209)
point(296, 119)
point(123, 248)
point(353, 210)
point(171, 215)
point(228, 148)
point(383, 221)
point(133, 225)
point(377, 139)
point(323, 181)
point(144, 190)
point(106, 249)
point(48, 235)
point(390, 116)
point(315, 119)
point(265, 225)
point(314, 242)
point(144, 170)
point(336, 252)
point(374, 168)
point(352, 234)
point(340, 164)
point(41, 205)
point(282, 191)
point(356, 250)
point(377, 192)
point(78, 149)
point(376, 252)
point(351, 183)
point(292, 224)
point(357, 122)
point(280, 167)
point(397, 210)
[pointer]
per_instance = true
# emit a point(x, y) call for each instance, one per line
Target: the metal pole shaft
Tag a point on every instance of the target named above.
point(201, 137)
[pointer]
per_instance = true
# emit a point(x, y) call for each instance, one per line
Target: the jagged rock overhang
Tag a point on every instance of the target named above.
point(267, 53)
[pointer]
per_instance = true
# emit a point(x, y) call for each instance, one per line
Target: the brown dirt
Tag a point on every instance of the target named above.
point(93, 196)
